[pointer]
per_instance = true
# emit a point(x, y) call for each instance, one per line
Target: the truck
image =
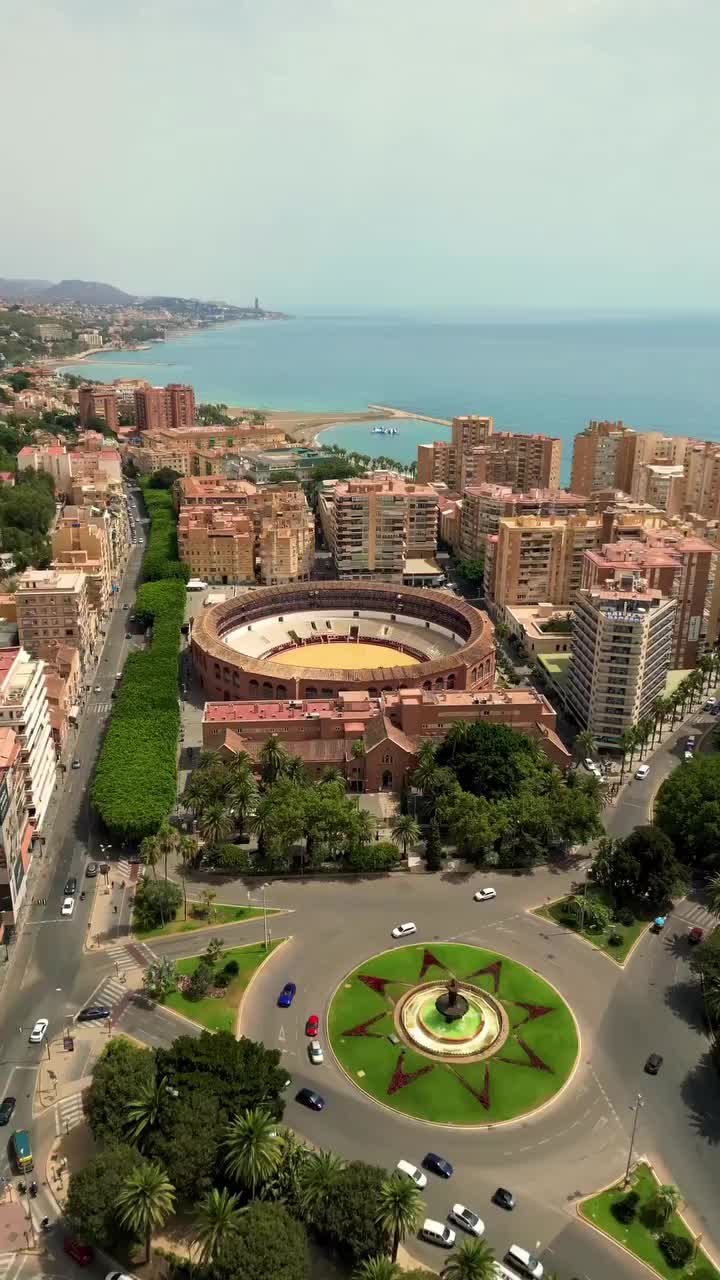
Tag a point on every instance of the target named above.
point(22, 1151)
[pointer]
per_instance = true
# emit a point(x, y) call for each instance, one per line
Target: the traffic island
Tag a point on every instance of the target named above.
point(199, 917)
point(453, 1034)
point(640, 1235)
point(615, 939)
point(218, 1009)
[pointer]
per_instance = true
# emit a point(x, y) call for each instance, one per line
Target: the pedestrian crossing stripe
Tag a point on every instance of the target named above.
point(69, 1113)
point(121, 957)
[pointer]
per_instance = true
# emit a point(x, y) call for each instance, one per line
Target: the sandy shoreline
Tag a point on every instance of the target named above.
point(303, 428)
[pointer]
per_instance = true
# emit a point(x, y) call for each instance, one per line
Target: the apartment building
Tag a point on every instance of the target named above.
point(603, 457)
point(621, 655)
point(534, 559)
point(195, 451)
point(54, 460)
point(217, 543)
point(16, 830)
point(676, 565)
point(373, 526)
point(97, 401)
point(53, 604)
point(63, 685)
point(81, 540)
point(169, 408)
point(286, 547)
point(485, 505)
point(87, 463)
point(477, 454)
point(212, 491)
point(439, 463)
point(24, 709)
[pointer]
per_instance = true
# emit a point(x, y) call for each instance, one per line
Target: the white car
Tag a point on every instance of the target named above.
point(98, 688)
point(642, 772)
point(38, 1032)
point(402, 930)
point(466, 1219)
point(118, 1275)
point(317, 1056)
point(412, 1172)
point(483, 895)
point(67, 907)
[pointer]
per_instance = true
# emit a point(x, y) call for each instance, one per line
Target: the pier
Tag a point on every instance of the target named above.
point(407, 413)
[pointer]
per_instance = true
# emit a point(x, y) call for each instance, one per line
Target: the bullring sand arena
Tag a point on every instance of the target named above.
point(315, 640)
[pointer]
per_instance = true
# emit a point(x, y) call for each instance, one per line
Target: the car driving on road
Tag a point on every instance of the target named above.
point(94, 1013)
point(312, 1025)
point(484, 895)
point(6, 1109)
point(317, 1056)
point(465, 1218)
point(287, 995)
point(67, 907)
point(403, 930)
point(38, 1032)
point(309, 1098)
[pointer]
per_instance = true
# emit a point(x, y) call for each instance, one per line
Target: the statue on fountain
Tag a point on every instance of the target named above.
point(452, 1004)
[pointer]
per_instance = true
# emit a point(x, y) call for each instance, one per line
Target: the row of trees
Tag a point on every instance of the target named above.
point(161, 561)
point(705, 962)
point(675, 706)
point(195, 1129)
point(135, 783)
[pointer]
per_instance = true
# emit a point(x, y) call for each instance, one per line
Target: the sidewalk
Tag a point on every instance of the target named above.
point(111, 914)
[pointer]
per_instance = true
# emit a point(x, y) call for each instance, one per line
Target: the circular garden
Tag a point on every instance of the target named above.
point(453, 1034)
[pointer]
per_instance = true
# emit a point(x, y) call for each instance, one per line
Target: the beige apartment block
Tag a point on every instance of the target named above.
point(662, 485)
point(485, 505)
point(621, 655)
point(16, 829)
point(438, 463)
point(374, 525)
point(24, 709)
point(52, 459)
point(98, 401)
point(534, 559)
point(477, 454)
point(54, 605)
point(603, 457)
point(286, 547)
point(217, 543)
point(213, 491)
point(164, 408)
point(80, 530)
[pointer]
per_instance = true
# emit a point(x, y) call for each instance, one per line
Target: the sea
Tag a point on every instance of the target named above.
point(532, 372)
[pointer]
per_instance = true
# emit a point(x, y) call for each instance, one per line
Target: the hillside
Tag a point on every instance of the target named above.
point(85, 292)
point(22, 290)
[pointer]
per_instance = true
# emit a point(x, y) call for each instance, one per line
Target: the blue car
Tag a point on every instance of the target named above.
point(287, 995)
point(436, 1164)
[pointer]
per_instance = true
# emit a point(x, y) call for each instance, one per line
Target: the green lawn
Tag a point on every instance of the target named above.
point(529, 1068)
point(638, 1238)
point(630, 933)
point(221, 1014)
point(222, 913)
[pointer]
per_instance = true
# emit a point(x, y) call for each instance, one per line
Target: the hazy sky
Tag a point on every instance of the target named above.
point(366, 152)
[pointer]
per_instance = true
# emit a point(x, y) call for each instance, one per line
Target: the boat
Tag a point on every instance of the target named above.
point(384, 431)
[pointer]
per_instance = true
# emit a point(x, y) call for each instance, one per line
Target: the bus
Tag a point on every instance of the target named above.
point(22, 1150)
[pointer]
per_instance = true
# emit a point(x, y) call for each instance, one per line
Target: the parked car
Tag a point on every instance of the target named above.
point(484, 895)
point(408, 1170)
point(696, 935)
point(312, 1025)
point(317, 1056)
point(309, 1098)
point(80, 1253)
point(504, 1198)
point(437, 1164)
point(466, 1219)
point(91, 870)
point(526, 1263)
point(94, 1013)
point(75, 763)
point(654, 1063)
point(98, 688)
point(70, 886)
point(403, 930)
point(67, 907)
point(38, 1032)
point(287, 995)
point(7, 1106)
point(642, 772)
point(437, 1233)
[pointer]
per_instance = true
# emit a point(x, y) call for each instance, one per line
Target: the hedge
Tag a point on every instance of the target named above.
point(135, 783)
point(161, 558)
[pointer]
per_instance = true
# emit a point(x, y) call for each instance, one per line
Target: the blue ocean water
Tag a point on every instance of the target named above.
point(547, 373)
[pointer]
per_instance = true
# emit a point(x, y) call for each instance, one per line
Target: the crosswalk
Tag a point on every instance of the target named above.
point(122, 958)
point(111, 992)
point(695, 915)
point(99, 708)
point(69, 1113)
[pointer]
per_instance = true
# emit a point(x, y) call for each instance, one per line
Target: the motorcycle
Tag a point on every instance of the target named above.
point(33, 1189)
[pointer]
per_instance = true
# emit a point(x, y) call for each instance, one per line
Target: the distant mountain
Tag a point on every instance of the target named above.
point(89, 292)
point(22, 290)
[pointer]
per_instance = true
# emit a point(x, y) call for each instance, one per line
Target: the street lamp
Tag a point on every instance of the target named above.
point(639, 1102)
point(265, 928)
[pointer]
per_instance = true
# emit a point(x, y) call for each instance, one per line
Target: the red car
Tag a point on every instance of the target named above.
point(312, 1025)
point(80, 1253)
point(695, 935)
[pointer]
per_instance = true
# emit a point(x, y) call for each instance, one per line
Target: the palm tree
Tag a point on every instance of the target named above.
point(331, 774)
point(626, 742)
point(242, 798)
point(187, 852)
point(406, 831)
point(363, 826)
point(584, 744)
point(377, 1269)
point(711, 996)
point(273, 758)
point(295, 771)
point(714, 896)
point(218, 1218)
point(150, 854)
point(664, 1203)
point(661, 708)
point(207, 897)
point(143, 1112)
point(167, 841)
point(400, 1208)
point(253, 1148)
point(215, 823)
point(318, 1179)
point(242, 765)
point(474, 1260)
point(146, 1200)
point(357, 750)
point(286, 1182)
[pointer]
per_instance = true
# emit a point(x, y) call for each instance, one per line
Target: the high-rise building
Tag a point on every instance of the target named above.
point(603, 457)
point(621, 655)
point(80, 540)
point(477, 454)
point(55, 605)
point(164, 408)
point(24, 709)
point(374, 525)
point(217, 543)
point(485, 505)
point(538, 559)
point(98, 401)
point(16, 829)
point(286, 547)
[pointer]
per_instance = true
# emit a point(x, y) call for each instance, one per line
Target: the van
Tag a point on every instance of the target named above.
point(197, 584)
point(437, 1233)
point(22, 1151)
point(408, 1170)
point(526, 1263)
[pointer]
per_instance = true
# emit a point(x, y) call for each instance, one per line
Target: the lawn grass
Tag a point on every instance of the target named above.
point(222, 913)
point(496, 1089)
point(599, 938)
point(221, 1014)
point(640, 1239)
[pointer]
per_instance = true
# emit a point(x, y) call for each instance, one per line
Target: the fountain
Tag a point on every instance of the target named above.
point(442, 1020)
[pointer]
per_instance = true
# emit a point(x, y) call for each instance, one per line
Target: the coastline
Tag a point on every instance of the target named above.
point(305, 428)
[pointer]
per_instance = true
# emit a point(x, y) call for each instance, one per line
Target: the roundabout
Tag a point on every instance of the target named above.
point(453, 1034)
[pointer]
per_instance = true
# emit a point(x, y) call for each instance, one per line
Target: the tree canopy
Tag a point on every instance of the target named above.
point(268, 1243)
point(91, 1208)
point(687, 809)
point(641, 869)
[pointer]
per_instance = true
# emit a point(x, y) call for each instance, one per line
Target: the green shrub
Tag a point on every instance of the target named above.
point(232, 857)
point(677, 1250)
point(156, 903)
point(232, 968)
point(616, 939)
point(379, 855)
point(625, 1210)
point(222, 979)
point(201, 981)
point(624, 916)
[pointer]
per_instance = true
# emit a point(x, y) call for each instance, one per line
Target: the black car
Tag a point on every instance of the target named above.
point(504, 1198)
point(436, 1164)
point(70, 887)
point(310, 1099)
point(94, 1012)
point(654, 1063)
point(6, 1109)
point(91, 870)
